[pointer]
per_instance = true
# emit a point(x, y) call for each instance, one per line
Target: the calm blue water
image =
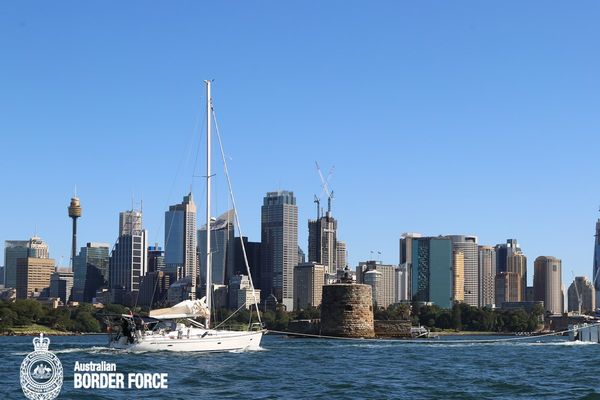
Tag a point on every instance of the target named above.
point(547, 368)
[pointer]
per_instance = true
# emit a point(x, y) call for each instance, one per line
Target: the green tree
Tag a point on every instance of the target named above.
point(85, 322)
point(456, 317)
point(28, 311)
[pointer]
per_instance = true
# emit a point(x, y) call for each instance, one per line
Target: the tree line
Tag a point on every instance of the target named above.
point(461, 317)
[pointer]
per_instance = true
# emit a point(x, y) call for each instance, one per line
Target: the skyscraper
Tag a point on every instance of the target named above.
point(322, 242)
point(517, 263)
point(15, 249)
point(241, 293)
point(547, 283)
point(342, 255)
point(468, 246)
point(596, 276)
point(222, 249)
point(61, 285)
point(129, 221)
point(508, 288)
point(154, 289)
point(458, 276)
point(432, 270)
point(487, 275)
point(181, 242)
point(33, 276)
point(253, 256)
point(384, 283)
point(309, 279)
point(156, 258)
point(128, 260)
point(581, 296)
point(402, 284)
point(406, 257)
point(90, 271)
point(279, 246)
point(503, 250)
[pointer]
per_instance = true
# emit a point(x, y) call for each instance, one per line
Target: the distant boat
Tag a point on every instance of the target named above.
point(175, 328)
point(586, 332)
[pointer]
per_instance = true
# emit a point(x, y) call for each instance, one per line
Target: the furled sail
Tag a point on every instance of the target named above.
point(185, 309)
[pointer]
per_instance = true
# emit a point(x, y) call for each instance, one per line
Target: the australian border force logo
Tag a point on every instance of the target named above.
point(41, 372)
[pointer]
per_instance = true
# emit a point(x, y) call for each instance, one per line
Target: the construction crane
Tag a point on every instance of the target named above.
point(325, 185)
point(317, 200)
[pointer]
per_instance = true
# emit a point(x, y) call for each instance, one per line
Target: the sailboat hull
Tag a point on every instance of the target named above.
point(213, 341)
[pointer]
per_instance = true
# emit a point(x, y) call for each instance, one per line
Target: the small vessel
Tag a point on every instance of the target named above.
point(175, 328)
point(586, 332)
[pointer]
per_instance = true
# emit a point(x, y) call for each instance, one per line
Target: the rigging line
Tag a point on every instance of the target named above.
point(179, 166)
point(501, 340)
point(232, 314)
point(235, 213)
point(153, 290)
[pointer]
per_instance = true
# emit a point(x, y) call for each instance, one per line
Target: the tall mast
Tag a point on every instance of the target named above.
point(208, 185)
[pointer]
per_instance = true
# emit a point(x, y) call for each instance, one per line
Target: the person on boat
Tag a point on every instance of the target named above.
point(128, 330)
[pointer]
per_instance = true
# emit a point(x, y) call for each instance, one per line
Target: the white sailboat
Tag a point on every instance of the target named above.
point(175, 328)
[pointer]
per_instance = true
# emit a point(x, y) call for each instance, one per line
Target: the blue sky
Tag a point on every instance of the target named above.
point(440, 117)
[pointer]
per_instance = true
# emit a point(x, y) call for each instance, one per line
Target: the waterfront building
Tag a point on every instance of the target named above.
point(406, 258)
point(181, 242)
point(222, 249)
point(517, 262)
point(279, 246)
point(221, 297)
point(581, 296)
point(507, 288)
point(61, 285)
point(309, 279)
point(247, 297)
point(128, 259)
point(458, 276)
point(15, 249)
point(90, 271)
point(342, 255)
point(322, 242)
point(487, 275)
point(432, 270)
point(503, 250)
point(383, 284)
point(596, 269)
point(33, 276)
point(241, 294)
point(237, 282)
point(468, 246)
point(547, 283)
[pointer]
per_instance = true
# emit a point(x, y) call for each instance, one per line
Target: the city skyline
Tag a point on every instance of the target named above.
point(470, 95)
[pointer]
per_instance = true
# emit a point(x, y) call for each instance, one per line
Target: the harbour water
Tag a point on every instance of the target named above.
point(549, 368)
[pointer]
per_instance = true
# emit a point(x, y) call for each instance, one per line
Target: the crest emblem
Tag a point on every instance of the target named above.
point(41, 372)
